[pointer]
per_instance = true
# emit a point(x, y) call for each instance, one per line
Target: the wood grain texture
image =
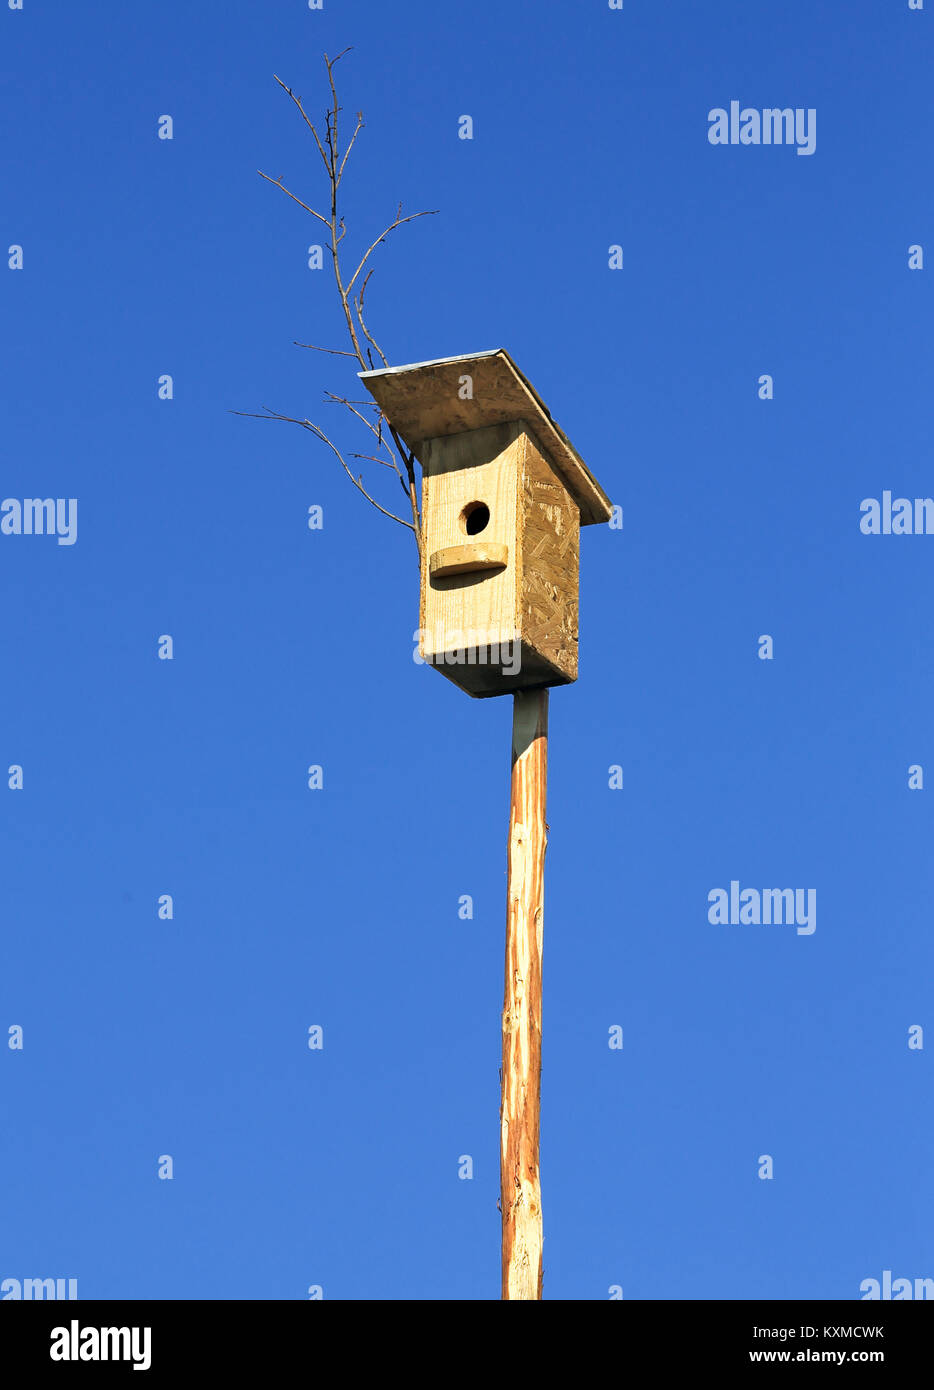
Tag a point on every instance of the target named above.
point(520, 1185)
point(479, 466)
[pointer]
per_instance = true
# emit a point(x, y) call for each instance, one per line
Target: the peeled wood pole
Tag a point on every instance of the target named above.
point(522, 1006)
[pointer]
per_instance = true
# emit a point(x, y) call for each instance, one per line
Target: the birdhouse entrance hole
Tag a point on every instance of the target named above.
point(475, 518)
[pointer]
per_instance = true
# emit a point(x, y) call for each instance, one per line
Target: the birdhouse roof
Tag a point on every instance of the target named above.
point(421, 401)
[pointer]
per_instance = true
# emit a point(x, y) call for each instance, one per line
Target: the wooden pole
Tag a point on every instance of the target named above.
point(522, 1006)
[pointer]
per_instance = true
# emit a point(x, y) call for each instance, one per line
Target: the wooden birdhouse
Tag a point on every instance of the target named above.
point(504, 494)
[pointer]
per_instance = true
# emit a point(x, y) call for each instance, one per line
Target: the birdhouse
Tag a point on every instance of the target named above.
point(504, 495)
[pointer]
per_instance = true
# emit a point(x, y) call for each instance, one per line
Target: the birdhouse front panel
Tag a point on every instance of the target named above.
point(500, 546)
point(469, 589)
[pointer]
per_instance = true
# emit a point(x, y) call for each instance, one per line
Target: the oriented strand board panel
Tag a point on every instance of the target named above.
point(426, 400)
point(549, 553)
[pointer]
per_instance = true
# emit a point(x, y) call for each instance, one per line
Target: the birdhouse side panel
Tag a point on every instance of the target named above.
point(469, 581)
point(549, 522)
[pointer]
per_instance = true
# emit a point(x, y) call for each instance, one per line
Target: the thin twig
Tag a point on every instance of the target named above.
point(279, 184)
point(377, 431)
point(359, 307)
point(351, 406)
point(319, 433)
point(382, 237)
point(371, 458)
point(338, 352)
point(309, 124)
point(340, 172)
point(363, 343)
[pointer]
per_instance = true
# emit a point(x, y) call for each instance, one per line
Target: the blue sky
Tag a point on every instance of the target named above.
point(339, 907)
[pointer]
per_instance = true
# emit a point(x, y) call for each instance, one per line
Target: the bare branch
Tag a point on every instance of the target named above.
point(298, 103)
point(384, 463)
point(408, 486)
point(408, 458)
point(331, 63)
point(338, 352)
point(371, 404)
point(319, 433)
point(391, 228)
point(375, 430)
point(367, 333)
point(279, 184)
point(363, 342)
point(329, 140)
point(340, 172)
